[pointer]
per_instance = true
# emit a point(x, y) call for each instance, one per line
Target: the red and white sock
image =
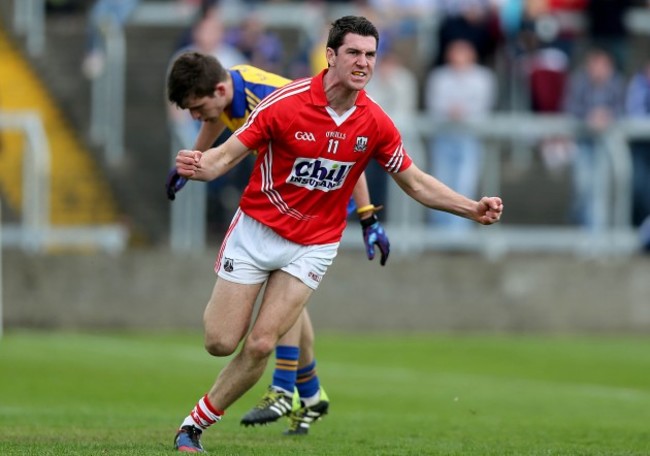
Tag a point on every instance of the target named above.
point(203, 414)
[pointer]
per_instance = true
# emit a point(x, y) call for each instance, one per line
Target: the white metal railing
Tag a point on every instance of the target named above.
point(612, 233)
point(34, 233)
point(29, 21)
point(188, 215)
point(35, 175)
point(108, 96)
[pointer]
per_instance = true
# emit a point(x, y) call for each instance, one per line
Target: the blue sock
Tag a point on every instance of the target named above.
point(286, 365)
point(307, 380)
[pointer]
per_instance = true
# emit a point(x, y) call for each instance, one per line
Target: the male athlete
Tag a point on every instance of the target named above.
point(314, 138)
point(223, 99)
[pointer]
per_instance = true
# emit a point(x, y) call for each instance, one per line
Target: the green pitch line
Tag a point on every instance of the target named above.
point(125, 394)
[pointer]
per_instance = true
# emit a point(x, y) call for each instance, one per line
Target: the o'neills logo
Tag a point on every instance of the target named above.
point(319, 173)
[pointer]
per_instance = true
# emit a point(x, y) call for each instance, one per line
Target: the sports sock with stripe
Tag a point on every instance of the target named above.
point(203, 414)
point(308, 384)
point(286, 365)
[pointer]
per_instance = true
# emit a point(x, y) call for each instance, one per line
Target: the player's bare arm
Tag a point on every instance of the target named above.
point(432, 193)
point(361, 196)
point(213, 163)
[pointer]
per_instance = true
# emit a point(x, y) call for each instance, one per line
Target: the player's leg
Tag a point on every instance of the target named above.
point(314, 402)
point(282, 302)
point(226, 319)
point(278, 399)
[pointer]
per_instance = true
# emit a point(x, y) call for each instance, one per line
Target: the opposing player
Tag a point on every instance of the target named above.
point(314, 138)
point(223, 99)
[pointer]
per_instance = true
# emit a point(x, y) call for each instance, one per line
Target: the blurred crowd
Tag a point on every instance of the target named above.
point(456, 61)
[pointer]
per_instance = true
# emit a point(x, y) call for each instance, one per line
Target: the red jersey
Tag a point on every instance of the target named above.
point(309, 159)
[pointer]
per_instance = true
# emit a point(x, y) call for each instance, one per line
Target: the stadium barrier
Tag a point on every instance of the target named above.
point(34, 233)
point(35, 179)
point(406, 223)
point(188, 214)
point(612, 234)
point(1, 289)
point(107, 97)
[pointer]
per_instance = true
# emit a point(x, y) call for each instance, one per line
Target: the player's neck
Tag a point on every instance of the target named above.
point(340, 98)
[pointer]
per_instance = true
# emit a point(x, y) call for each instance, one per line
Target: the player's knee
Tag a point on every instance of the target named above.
point(260, 347)
point(220, 346)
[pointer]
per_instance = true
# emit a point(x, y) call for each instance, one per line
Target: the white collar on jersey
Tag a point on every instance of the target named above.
point(338, 120)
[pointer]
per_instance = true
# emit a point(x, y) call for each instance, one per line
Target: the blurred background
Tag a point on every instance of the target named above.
point(543, 102)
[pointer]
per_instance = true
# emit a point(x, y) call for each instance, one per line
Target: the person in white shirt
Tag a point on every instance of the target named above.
point(459, 92)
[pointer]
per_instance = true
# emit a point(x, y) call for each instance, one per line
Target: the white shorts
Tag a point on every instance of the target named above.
point(251, 251)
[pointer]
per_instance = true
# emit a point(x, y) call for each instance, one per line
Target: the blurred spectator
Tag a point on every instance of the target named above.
point(562, 23)
point(607, 29)
point(541, 37)
point(400, 23)
point(103, 13)
point(637, 105)
point(402, 14)
point(203, 8)
point(261, 47)
point(395, 88)
point(456, 93)
point(547, 71)
point(310, 58)
point(595, 95)
point(473, 21)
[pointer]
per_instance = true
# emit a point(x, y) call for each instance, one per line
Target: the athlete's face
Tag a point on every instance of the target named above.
point(355, 60)
point(208, 108)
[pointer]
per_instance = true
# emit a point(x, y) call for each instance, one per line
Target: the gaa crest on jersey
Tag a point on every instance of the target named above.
point(228, 264)
point(362, 144)
point(304, 136)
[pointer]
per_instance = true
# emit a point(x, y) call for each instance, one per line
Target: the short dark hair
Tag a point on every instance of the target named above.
point(358, 25)
point(193, 75)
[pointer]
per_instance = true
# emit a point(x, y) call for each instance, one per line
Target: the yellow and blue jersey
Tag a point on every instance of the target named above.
point(250, 86)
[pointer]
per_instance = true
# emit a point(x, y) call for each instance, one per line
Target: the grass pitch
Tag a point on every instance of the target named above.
point(126, 393)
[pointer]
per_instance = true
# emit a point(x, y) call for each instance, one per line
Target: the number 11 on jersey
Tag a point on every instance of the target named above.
point(332, 146)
